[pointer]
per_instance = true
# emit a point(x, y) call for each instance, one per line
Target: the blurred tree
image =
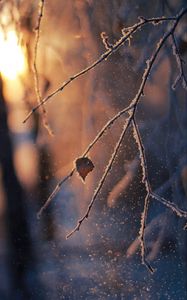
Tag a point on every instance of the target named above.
point(20, 256)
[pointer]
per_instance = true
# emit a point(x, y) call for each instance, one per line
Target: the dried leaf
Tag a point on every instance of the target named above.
point(84, 166)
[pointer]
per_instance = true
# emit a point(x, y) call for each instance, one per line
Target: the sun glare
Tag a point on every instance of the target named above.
point(12, 59)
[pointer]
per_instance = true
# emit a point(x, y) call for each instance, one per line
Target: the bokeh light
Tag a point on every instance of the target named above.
point(12, 59)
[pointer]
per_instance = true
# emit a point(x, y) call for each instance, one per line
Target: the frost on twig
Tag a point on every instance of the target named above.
point(105, 41)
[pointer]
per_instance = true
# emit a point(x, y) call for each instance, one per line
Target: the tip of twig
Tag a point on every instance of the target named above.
point(49, 130)
point(74, 230)
point(27, 117)
point(149, 267)
point(69, 235)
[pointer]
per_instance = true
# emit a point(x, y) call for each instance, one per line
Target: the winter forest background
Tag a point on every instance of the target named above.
point(131, 243)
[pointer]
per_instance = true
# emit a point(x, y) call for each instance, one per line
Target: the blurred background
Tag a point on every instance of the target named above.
point(102, 260)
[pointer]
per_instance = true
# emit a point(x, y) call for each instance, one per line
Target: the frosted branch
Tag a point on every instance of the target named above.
point(145, 180)
point(131, 110)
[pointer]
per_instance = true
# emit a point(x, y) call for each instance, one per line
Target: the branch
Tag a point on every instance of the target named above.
point(147, 198)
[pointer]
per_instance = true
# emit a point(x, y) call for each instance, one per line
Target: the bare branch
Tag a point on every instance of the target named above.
point(147, 198)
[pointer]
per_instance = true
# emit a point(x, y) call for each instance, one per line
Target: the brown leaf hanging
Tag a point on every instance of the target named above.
point(84, 166)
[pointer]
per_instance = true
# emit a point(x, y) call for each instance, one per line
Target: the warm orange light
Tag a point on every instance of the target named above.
point(12, 59)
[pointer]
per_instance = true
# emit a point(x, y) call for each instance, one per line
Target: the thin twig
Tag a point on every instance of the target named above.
point(145, 180)
point(179, 212)
point(35, 70)
point(53, 194)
